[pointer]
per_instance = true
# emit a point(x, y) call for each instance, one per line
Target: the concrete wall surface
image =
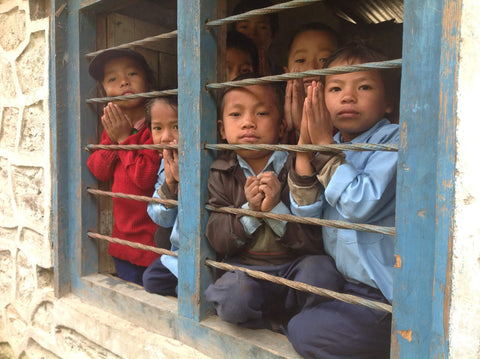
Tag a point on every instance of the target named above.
point(464, 324)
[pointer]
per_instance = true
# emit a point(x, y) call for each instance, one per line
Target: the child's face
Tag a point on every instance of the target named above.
point(164, 123)
point(251, 116)
point(258, 29)
point(238, 62)
point(356, 101)
point(309, 51)
point(124, 76)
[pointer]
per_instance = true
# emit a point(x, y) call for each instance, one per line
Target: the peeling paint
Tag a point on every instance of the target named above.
point(421, 213)
point(406, 334)
point(398, 261)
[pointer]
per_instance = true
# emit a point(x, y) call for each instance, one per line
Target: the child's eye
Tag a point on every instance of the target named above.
point(322, 60)
point(133, 73)
point(334, 89)
point(262, 113)
point(175, 127)
point(365, 87)
point(234, 114)
point(299, 61)
point(156, 128)
point(111, 79)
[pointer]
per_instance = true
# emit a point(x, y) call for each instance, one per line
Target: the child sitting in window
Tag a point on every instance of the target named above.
point(257, 180)
point(162, 114)
point(357, 187)
point(241, 55)
point(310, 46)
point(124, 72)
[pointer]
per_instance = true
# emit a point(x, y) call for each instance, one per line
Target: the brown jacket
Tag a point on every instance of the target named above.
point(226, 234)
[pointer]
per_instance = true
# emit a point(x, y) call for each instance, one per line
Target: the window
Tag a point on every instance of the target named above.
point(424, 200)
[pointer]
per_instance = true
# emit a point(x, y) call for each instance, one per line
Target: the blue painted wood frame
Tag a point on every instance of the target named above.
point(197, 51)
point(425, 179)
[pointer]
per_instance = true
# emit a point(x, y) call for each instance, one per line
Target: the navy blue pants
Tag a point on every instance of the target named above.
point(243, 300)
point(336, 330)
point(128, 271)
point(159, 280)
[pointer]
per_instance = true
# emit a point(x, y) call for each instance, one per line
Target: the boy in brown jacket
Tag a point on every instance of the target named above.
point(257, 180)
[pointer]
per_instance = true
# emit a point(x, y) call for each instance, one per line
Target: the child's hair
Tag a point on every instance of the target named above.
point(172, 101)
point(277, 90)
point(239, 41)
point(358, 51)
point(96, 68)
point(248, 5)
point(314, 26)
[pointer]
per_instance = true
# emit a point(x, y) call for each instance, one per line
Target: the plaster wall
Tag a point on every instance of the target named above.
point(33, 323)
point(464, 331)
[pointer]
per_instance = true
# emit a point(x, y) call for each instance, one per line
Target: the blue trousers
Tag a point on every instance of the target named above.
point(337, 330)
point(128, 271)
point(159, 280)
point(243, 300)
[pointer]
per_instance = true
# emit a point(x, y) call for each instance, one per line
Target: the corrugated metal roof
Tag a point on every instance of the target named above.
point(368, 11)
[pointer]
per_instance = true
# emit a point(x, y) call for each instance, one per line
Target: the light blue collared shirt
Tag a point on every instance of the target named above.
point(362, 190)
point(165, 217)
point(250, 224)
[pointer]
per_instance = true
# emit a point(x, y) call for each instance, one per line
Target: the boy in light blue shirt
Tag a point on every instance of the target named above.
point(357, 187)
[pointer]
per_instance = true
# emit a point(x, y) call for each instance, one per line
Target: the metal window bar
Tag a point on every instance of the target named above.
point(380, 65)
point(259, 275)
point(141, 42)
point(263, 11)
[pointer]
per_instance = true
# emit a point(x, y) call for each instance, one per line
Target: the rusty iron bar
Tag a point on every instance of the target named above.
point(142, 42)
point(132, 244)
point(381, 65)
point(257, 214)
point(256, 274)
point(307, 148)
point(151, 94)
point(134, 197)
point(305, 220)
point(130, 147)
point(347, 298)
point(294, 148)
point(264, 11)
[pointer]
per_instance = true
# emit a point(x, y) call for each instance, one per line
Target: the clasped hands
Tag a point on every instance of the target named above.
point(263, 191)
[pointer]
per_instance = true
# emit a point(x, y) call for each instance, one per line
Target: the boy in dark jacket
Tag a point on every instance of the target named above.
point(257, 180)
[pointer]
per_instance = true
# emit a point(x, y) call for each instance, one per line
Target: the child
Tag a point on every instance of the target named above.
point(262, 30)
point(357, 187)
point(310, 46)
point(122, 72)
point(256, 180)
point(241, 55)
point(162, 114)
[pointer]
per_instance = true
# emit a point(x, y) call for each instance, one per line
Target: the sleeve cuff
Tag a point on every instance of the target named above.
point(304, 195)
point(278, 226)
point(164, 193)
point(250, 224)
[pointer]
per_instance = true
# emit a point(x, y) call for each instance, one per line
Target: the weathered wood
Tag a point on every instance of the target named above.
point(425, 181)
point(197, 123)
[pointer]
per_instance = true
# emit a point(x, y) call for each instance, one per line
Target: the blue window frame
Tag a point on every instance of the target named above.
point(425, 177)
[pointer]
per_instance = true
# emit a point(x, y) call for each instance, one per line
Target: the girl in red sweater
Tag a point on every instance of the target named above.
point(125, 72)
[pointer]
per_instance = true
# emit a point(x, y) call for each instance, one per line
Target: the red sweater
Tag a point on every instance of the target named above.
point(133, 172)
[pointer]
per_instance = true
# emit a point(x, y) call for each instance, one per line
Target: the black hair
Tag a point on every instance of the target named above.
point(172, 101)
point(314, 26)
point(357, 51)
point(274, 86)
point(239, 41)
point(248, 5)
